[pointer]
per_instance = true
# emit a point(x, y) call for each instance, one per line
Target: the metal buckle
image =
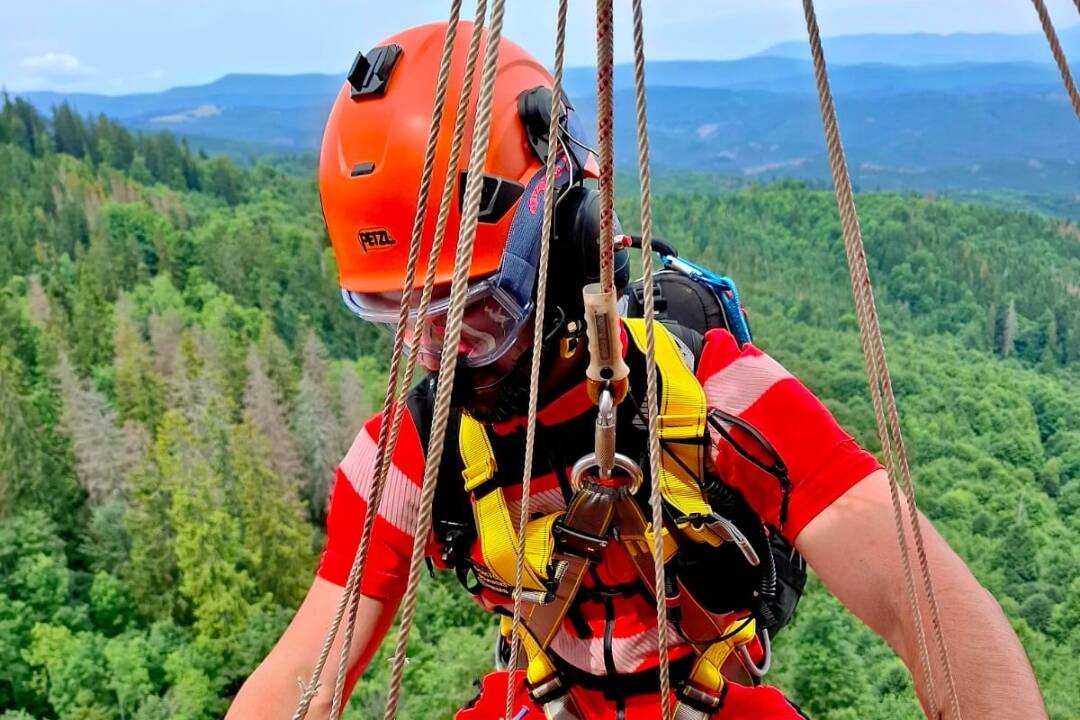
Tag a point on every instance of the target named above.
point(698, 699)
point(727, 531)
point(571, 541)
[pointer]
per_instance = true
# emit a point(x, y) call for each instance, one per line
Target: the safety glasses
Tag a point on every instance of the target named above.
point(492, 320)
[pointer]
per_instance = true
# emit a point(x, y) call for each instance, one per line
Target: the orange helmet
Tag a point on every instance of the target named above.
point(370, 171)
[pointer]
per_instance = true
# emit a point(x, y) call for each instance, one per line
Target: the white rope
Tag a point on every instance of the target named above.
point(1058, 53)
point(448, 365)
point(554, 142)
point(656, 500)
point(886, 413)
point(350, 594)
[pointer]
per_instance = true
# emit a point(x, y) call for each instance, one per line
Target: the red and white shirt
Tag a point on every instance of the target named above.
point(823, 462)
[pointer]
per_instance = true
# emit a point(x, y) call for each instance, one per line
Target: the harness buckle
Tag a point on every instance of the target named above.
point(578, 543)
point(547, 690)
point(704, 702)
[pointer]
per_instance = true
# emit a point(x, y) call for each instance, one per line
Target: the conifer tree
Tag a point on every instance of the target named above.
point(165, 331)
point(208, 542)
point(69, 131)
point(276, 360)
point(21, 461)
point(1008, 332)
point(320, 436)
point(355, 405)
point(276, 536)
point(97, 445)
point(138, 389)
point(263, 409)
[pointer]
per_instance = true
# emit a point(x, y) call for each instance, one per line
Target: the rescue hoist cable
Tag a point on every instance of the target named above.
point(884, 401)
point(1058, 52)
point(448, 365)
point(656, 502)
point(350, 594)
point(554, 133)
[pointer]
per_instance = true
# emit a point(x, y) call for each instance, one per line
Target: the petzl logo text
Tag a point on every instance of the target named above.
point(375, 240)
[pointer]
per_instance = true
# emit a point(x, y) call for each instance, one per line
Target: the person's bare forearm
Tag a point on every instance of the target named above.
point(991, 672)
point(273, 690)
point(852, 546)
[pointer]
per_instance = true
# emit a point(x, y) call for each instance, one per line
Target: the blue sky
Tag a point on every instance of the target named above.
point(123, 46)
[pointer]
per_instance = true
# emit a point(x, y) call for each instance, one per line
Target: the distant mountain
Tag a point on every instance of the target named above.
point(958, 125)
point(779, 74)
point(931, 49)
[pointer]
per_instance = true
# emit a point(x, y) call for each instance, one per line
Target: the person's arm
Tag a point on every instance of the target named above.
point(852, 546)
point(273, 690)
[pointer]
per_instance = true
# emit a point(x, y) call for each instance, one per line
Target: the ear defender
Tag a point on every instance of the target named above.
point(575, 249)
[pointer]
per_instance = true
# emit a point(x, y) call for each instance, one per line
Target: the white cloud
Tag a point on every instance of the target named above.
point(60, 68)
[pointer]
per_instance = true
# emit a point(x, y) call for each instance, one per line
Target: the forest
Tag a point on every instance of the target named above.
point(178, 381)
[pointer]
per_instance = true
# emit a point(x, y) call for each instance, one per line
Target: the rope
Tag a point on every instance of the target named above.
point(1059, 53)
point(655, 497)
point(449, 181)
point(605, 121)
point(538, 342)
point(448, 366)
point(884, 401)
point(351, 595)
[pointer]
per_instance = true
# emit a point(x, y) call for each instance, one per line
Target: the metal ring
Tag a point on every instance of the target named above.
point(622, 462)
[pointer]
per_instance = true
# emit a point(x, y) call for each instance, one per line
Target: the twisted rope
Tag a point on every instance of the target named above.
point(1059, 53)
point(884, 401)
point(656, 502)
point(538, 342)
point(605, 122)
point(350, 595)
point(448, 366)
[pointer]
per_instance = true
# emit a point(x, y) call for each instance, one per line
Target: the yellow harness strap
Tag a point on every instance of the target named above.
point(682, 420)
point(702, 695)
point(496, 529)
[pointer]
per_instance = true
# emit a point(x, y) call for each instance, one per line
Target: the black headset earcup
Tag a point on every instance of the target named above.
point(577, 240)
point(534, 108)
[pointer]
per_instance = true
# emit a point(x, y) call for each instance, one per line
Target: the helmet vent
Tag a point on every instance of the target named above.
point(497, 196)
point(364, 168)
point(370, 73)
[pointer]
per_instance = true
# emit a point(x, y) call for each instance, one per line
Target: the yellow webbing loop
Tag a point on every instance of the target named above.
point(707, 672)
point(476, 453)
point(681, 424)
point(494, 524)
point(541, 668)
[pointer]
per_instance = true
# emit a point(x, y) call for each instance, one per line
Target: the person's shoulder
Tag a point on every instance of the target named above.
point(408, 456)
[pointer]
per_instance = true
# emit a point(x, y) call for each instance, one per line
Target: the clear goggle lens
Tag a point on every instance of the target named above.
point(492, 320)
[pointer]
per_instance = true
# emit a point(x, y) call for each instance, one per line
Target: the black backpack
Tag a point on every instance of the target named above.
point(690, 300)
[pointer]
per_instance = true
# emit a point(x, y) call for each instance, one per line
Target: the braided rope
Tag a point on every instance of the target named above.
point(884, 401)
point(383, 460)
point(448, 366)
point(605, 123)
point(538, 341)
point(656, 501)
point(350, 594)
point(1059, 53)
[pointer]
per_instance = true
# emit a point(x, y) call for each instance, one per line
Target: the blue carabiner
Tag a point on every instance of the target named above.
point(722, 287)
